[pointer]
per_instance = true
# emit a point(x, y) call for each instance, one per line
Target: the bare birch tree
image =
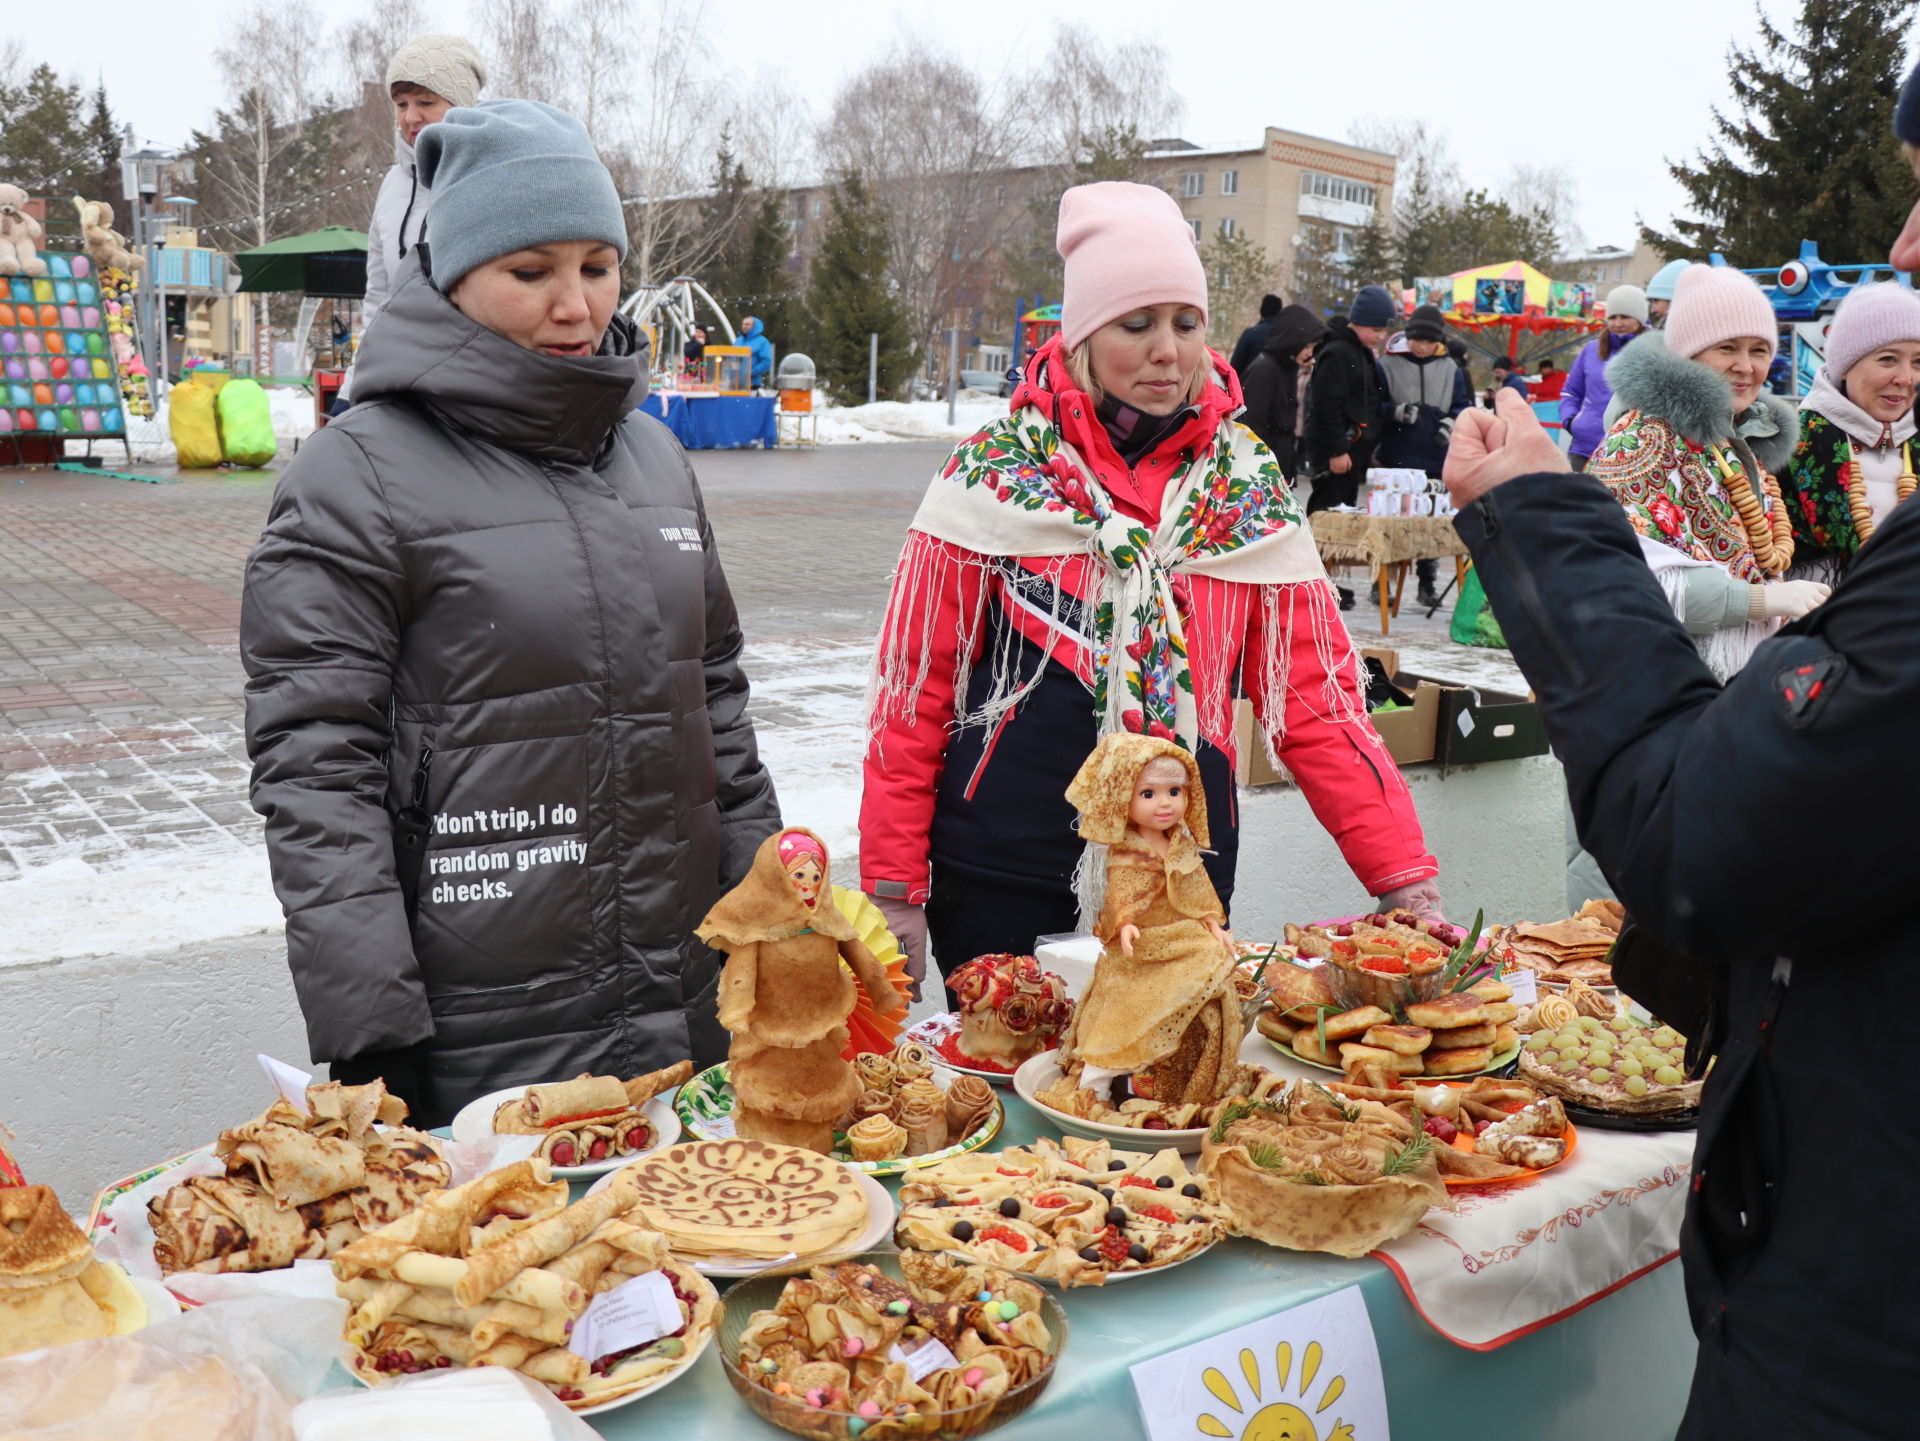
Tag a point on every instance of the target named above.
point(522, 42)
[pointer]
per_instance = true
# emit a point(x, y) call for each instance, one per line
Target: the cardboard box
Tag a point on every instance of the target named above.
point(1408, 732)
point(1478, 726)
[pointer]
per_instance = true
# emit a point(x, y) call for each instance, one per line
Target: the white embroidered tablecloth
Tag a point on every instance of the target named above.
point(1517, 1257)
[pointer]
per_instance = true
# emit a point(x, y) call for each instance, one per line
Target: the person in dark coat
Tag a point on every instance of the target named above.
point(1254, 337)
point(1424, 393)
point(1271, 385)
point(1792, 1238)
point(1507, 376)
point(1343, 401)
point(487, 615)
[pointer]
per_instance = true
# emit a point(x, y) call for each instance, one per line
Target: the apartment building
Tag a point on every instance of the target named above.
point(1606, 266)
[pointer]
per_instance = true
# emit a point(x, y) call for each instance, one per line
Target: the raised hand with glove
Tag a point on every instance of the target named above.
point(1786, 599)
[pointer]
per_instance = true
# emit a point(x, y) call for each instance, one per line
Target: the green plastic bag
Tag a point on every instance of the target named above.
point(193, 425)
point(246, 423)
point(1473, 618)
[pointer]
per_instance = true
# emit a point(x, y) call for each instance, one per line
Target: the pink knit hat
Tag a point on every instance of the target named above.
point(1713, 303)
point(1125, 246)
point(1871, 317)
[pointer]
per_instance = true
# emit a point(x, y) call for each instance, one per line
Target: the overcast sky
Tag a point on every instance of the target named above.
point(1607, 89)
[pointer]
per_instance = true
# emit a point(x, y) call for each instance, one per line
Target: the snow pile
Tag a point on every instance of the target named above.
point(892, 420)
point(149, 903)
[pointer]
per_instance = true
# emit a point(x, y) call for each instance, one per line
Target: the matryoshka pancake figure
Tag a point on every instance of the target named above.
point(785, 996)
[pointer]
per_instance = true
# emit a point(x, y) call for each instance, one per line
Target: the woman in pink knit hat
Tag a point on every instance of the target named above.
point(1694, 456)
point(1115, 554)
point(1855, 461)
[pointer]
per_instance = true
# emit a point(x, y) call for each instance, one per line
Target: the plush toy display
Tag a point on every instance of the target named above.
point(116, 299)
point(18, 231)
point(107, 246)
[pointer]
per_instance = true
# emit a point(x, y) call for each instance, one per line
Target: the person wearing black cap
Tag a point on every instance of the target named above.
point(1254, 336)
point(1425, 393)
point(1343, 400)
point(1507, 376)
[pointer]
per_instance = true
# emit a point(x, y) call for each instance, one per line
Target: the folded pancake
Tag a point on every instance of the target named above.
point(224, 1223)
point(1472, 1166)
point(352, 1111)
point(642, 1089)
point(1407, 1040)
point(1460, 1062)
point(582, 1099)
point(292, 1165)
point(1348, 1024)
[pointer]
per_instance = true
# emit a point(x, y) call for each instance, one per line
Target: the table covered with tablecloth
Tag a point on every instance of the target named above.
point(715, 422)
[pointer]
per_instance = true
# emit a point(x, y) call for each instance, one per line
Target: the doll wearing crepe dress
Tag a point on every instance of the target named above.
point(785, 995)
point(1161, 1004)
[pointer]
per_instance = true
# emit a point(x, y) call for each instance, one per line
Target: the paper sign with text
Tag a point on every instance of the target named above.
point(290, 1081)
point(631, 1314)
point(1525, 989)
point(1310, 1374)
point(921, 1362)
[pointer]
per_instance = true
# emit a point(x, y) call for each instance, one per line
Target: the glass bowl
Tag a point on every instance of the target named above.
point(790, 1413)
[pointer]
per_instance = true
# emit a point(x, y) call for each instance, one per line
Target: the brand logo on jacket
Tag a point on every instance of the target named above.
point(684, 536)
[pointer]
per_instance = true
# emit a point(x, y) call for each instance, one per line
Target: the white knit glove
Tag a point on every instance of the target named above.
point(1406, 414)
point(1422, 898)
point(908, 923)
point(1786, 599)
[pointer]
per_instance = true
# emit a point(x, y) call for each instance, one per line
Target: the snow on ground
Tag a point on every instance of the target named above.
point(149, 902)
point(891, 420)
point(292, 420)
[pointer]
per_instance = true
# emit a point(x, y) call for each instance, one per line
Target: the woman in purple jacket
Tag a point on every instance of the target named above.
point(1584, 400)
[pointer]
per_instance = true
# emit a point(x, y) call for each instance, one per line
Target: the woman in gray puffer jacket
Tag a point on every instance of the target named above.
point(489, 645)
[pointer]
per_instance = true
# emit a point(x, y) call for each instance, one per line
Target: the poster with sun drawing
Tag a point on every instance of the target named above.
point(57, 374)
point(1309, 1374)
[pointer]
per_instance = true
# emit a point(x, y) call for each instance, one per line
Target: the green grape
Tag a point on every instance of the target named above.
point(1572, 1053)
point(1563, 1039)
point(1620, 1023)
point(1540, 1041)
point(1631, 1067)
point(1668, 1076)
point(1666, 1036)
point(1599, 1056)
point(1636, 1085)
point(1599, 1075)
point(1566, 1066)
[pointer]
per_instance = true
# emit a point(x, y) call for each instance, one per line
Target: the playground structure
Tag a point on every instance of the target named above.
point(669, 309)
point(1804, 294)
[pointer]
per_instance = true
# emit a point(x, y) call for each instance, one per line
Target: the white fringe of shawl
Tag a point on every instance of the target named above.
point(1726, 651)
point(903, 657)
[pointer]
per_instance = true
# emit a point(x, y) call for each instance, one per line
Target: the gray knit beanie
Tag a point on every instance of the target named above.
point(506, 174)
point(444, 64)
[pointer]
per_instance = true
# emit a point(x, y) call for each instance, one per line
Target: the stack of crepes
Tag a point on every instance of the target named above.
point(1313, 1171)
point(498, 1271)
point(589, 1118)
point(52, 1290)
point(1561, 952)
point(299, 1187)
point(752, 1200)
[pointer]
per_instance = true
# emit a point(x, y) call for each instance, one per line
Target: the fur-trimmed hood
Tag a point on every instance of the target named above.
point(1697, 401)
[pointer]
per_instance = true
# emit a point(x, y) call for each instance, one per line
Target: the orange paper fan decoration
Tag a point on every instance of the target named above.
point(871, 1031)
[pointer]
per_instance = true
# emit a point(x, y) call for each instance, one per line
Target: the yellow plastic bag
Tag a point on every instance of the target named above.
point(194, 424)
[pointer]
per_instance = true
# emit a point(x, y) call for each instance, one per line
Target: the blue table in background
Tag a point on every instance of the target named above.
point(1620, 1368)
point(715, 422)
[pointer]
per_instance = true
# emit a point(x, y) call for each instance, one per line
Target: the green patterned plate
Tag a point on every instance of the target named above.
point(705, 1108)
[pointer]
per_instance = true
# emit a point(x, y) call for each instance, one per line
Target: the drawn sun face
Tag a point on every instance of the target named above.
point(1278, 1420)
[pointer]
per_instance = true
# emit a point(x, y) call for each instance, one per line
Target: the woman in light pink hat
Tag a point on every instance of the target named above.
point(1856, 457)
point(1115, 554)
point(1694, 454)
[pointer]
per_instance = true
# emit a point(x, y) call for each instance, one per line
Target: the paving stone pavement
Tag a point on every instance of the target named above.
point(120, 680)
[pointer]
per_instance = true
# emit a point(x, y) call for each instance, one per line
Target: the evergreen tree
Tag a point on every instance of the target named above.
point(1239, 272)
point(848, 297)
point(103, 138)
point(1810, 155)
point(1419, 219)
point(725, 214)
point(767, 287)
point(44, 144)
point(1370, 259)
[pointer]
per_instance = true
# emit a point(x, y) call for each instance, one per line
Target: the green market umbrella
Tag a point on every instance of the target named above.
point(330, 261)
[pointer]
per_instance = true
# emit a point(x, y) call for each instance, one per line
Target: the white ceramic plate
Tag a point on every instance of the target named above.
point(475, 1123)
point(1041, 1071)
point(661, 1382)
point(880, 1216)
point(935, 1029)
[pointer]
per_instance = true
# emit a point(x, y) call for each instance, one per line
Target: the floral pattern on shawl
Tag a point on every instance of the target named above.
point(1230, 494)
point(1816, 493)
point(1668, 487)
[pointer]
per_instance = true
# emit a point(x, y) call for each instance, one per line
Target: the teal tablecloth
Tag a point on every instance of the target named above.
point(1620, 1368)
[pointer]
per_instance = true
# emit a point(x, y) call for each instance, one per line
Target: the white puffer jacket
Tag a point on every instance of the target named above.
point(399, 218)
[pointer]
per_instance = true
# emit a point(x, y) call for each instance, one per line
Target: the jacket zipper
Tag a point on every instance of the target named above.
point(986, 754)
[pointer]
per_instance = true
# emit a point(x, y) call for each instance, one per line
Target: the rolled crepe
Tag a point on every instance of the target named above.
point(401, 1168)
point(632, 1133)
point(968, 1100)
point(568, 1142)
point(294, 1166)
point(509, 1351)
point(925, 1125)
point(375, 1302)
point(642, 1089)
point(531, 1287)
point(491, 1267)
point(210, 1218)
point(577, 1100)
point(557, 1367)
point(596, 1137)
point(877, 1138)
point(510, 1119)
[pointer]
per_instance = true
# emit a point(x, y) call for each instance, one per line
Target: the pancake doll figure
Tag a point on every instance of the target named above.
point(785, 995)
point(1160, 1010)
